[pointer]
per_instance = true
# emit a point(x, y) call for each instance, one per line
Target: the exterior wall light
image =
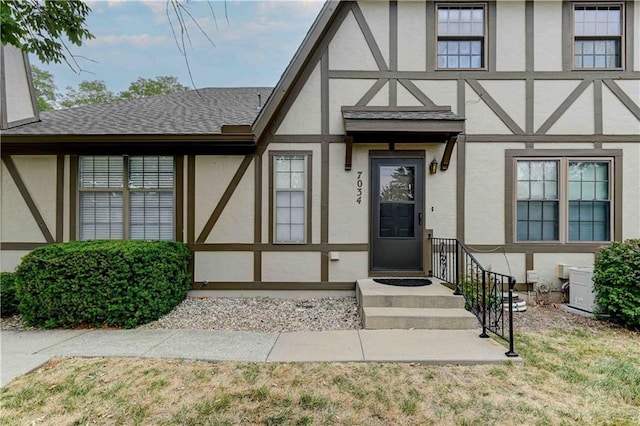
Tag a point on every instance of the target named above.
point(433, 166)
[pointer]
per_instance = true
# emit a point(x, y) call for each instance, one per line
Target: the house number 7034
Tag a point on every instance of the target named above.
point(359, 188)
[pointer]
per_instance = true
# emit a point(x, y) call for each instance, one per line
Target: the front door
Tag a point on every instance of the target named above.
point(397, 197)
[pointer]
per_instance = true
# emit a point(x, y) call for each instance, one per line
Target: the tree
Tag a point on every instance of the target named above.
point(41, 27)
point(45, 89)
point(88, 93)
point(144, 87)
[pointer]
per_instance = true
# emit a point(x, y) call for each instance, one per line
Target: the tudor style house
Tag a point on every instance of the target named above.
point(513, 126)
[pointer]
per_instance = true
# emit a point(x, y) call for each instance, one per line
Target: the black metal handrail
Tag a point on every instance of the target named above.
point(483, 290)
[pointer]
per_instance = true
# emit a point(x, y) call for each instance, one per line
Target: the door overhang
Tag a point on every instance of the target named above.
point(371, 124)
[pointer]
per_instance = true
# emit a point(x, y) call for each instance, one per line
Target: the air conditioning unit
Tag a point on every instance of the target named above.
point(581, 289)
point(562, 271)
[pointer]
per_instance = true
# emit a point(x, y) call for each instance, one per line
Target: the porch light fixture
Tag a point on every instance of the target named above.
point(433, 166)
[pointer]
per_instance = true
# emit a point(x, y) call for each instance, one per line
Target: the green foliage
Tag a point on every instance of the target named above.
point(616, 282)
point(88, 93)
point(45, 88)
point(113, 283)
point(145, 87)
point(44, 27)
point(8, 300)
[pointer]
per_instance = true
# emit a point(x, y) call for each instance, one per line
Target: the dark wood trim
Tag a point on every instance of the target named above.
point(567, 36)
point(309, 177)
point(307, 138)
point(631, 48)
point(393, 92)
point(461, 98)
point(257, 266)
point(495, 107)
point(324, 193)
point(541, 248)
point(460, 186)
point(348, 159)
point(597, 107)
point(257, 199)
point(430, 37)
point(528, 261)
point(368, 36)
point(372, 92)
point(26, 196)
point(4, 122)
point(179, 199)
point(512, 153)
point(529, 106)
point(73, 197)
point(324, 266)
point(59, 198)
point(484, 75)
point(274, 286)
point(529, 36)
point(564, 106)
point(617, 195)
point(324, 93)
point(191, 198)
point(21, 246)
point(32, 89)
point(553, 138)
point(393, 35)
point(446, 156)
point(401, 153)
point(419, 94)
point(268, 247)
point(491, 35)
point(224, 200)
point(623, 97)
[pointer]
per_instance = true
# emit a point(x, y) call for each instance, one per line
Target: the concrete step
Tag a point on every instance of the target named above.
point(375, 318)
point(372, 294)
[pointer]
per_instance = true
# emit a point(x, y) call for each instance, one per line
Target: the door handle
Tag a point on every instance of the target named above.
point(420, 218)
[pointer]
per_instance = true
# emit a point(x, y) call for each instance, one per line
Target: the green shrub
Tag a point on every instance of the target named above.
point(8, 300)
point(616, 279)
point(113, 283)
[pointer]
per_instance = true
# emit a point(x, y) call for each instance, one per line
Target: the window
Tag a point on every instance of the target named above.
point(141, 209)
point(538, 200)
point(579, 210)
point(598, 36)
point(290, 195)
point(461, 37)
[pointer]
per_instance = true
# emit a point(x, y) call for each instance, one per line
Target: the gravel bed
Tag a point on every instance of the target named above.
point(250, 314)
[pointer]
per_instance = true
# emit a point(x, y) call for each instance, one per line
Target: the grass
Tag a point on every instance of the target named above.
point(583, 376)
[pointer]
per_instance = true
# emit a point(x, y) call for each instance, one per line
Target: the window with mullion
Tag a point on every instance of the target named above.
point(538, 201)
point(589, 203)
point(598, 33)
point(140, 210)
point(461, 37)
point(290, 198)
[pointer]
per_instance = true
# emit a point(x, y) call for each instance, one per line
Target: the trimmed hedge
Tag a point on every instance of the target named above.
point(616, 280)
point(102, 283)
point(8, 300)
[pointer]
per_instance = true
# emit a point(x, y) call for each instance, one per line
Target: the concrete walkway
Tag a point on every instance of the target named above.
point(24, 351)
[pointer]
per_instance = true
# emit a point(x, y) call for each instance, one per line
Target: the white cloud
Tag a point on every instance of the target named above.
point(137, 40)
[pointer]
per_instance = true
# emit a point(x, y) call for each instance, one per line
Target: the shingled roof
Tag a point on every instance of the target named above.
point(194, 112)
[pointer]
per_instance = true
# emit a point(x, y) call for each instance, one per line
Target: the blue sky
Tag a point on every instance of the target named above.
point(133, 39)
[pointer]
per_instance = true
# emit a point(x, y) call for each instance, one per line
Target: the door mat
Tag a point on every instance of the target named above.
point(404, 282)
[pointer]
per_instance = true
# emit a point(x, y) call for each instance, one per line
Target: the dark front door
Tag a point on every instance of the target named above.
point(397, 197)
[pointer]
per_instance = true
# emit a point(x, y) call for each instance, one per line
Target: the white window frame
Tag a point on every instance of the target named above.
point(621, 36)
point(563, 196)
point(306, 156)
point(126, 191)
point(483, 38)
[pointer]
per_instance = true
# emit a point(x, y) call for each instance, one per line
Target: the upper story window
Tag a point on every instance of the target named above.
point(461, 36)
point(290, 198)
point(126, 197)
point(598, 33)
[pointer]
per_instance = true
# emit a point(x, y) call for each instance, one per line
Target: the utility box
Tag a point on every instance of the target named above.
point(581, 294)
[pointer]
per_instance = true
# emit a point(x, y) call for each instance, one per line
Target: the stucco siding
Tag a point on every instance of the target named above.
point(291, 266)
point(513, 264)
point(510, 95)
point(377, 16)
point(350, 267)
point(548, 95)
point(303, 118)
point(223, 266)
point(412, 56)
point(510, 36)
point(441, 92)
point(10, 259)
point(546, 265)
point(547, 39)
point(348, 50)
point(579, 118)
point(480, 118)
point(344, 93)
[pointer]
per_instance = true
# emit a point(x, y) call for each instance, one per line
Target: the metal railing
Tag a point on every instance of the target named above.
point(484, 291)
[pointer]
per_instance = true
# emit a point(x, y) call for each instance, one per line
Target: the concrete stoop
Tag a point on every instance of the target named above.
point(432, 307)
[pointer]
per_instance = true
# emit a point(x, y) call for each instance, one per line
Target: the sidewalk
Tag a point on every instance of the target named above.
point(24, 351)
